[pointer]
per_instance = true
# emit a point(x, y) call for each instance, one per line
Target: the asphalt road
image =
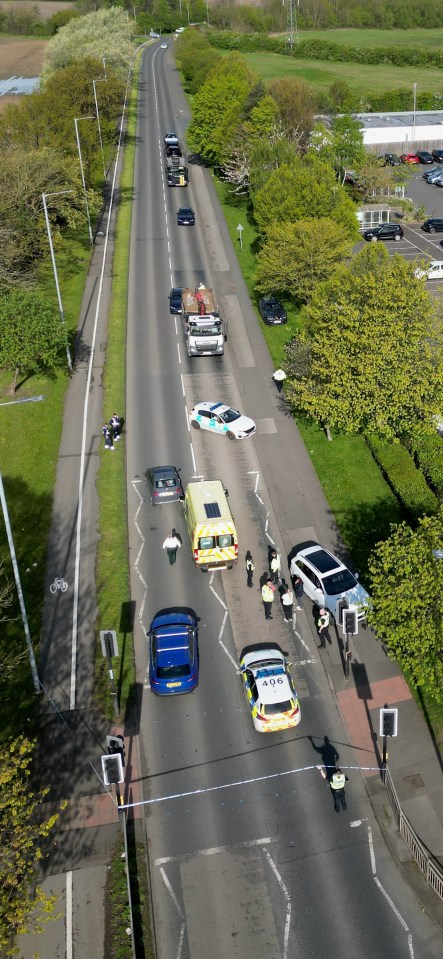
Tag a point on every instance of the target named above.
point(247, 857)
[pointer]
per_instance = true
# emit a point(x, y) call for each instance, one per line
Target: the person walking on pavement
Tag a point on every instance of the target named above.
point(108, 437)
point(279, 377)
point(275, 567)
point(323, 627)
point(171, 545)
point(298, 590)
point(116, 426)
point(267, 592)
point(249, 569)
point(337, 783)
point(287, 599)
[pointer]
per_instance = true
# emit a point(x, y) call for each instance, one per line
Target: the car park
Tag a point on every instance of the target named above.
point(432, 271)
point(438, 155)
point(326, 579)
point(185, 216)
point(386, 231)
point(269, 689)
point(222, 419)
point(391, 159)
point(409, 158)
point(424, 156)
point(271, 311)
point(434, 224)
point(173, 653)
point(175, 300)
point(165, 484)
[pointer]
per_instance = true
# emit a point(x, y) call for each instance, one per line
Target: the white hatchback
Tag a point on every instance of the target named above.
point(326, 579)
point(220, 418)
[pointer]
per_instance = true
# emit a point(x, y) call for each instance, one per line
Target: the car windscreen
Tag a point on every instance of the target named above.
point(174, 672)
point(339, 582)
point(196, 330)
point(229, 416)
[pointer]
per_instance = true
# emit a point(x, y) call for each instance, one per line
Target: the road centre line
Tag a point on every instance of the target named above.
point(288, 901)
point(216, 850)
point(392, 905)
point(171, 893)
point(69, 915)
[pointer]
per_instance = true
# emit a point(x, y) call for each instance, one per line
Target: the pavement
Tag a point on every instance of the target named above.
point(85, 836)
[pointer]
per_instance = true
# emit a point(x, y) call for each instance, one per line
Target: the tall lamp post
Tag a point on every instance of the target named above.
point(103, 80)
point(415, 106)
point(54, 265)
point(76, 121)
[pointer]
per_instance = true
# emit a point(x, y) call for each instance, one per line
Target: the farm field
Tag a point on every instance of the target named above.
point(360, 77)
point(378, 38)
point(46, 8)
point(21, 58)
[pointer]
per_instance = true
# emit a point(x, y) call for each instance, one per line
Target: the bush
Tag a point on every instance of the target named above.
point(428, 455)
point(405, 480)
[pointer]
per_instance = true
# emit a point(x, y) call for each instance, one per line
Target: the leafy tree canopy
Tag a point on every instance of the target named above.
point(406, 595)
point(296, 106)
point(217, 107)
point(370, 357)
point(103, 33)
point(297, 256)
point(267, 156)
point(32, 336)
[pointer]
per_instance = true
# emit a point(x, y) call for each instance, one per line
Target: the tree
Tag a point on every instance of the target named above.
point(31, 334)
point(374, 177)
point(304, 190)
point(321, 143)
point(297, 256)
point(21, 832)
point(265, 158)
point(103, 33)
point(261, 125)
point(348, 143)
point(375, 350)
point(406, 601)
point(217, 107)
point(296, 107)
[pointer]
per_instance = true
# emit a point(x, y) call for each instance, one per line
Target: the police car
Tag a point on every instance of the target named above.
point(269, 689)
point(220, 418)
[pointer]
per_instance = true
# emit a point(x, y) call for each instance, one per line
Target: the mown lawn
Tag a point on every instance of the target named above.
point(377, 38)
point(320, 74)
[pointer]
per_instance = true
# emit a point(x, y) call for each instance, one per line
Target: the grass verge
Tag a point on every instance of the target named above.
point(117, 918)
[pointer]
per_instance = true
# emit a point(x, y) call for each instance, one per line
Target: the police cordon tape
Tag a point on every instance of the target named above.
point(240, 782)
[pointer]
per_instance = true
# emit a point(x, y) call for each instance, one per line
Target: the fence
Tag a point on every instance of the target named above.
point(432, 872)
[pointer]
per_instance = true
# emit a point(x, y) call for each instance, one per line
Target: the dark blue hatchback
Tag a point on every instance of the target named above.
point(173, 653)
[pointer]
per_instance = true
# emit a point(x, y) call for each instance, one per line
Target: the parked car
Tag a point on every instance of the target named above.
point(391, 159)
point(432, 271)
point(269, 689)
point(271, 311)
point(432, 172)
point(326, 579)
point(185, 216)
point(175, 300)
point(434, 175)
point(165, 484)
point(424, 156)
point(386, 231)
point(433, 224)
point(438, 155)
point(221, 419)
point(409, 158)
point(173, 653)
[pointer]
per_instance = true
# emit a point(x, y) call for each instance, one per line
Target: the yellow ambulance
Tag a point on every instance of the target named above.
point(210, 525)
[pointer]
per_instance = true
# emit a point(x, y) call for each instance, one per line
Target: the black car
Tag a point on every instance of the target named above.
point(271, 311)
point(433, 225)
point(165, 484)
point(185, 216)
point(438, 155)
point(391, 159)
point(175, 300)
point(386, 231)
point(424, 156)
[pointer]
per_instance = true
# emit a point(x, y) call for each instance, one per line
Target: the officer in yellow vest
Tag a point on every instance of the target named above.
point(337, 784)
point(267, 594)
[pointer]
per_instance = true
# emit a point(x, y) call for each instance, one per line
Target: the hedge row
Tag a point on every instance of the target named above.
point(428, 455)
point(324, 50)
point(405, 480)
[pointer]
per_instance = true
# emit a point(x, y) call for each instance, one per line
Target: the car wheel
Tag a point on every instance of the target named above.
point(397, 236)
point(231, 436)
point(374, 239)
point(432, 229)
point(195, 424)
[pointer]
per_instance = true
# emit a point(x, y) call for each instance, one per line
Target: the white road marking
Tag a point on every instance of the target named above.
point(379, 885)
point(194, 464)
point(285, 892)
point(215, 850)
point(179, 355)
point(371, 851)
point(187, 419)
point(181, 374)
point(171, 893)
point(214, 592)
point(181, 939)
point(69, 915)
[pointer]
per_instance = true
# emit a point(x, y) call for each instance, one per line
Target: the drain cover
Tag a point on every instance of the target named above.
point(414, 782)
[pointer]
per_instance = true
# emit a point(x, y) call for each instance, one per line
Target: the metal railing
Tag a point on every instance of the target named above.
point(431, 870)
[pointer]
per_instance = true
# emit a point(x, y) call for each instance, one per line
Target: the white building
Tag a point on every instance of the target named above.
point(402, 132)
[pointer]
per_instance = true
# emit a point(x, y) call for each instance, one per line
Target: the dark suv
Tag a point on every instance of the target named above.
point(438, 155)
point(424, 156)
point(386, 231)
point(391, 159)
point(433, 225)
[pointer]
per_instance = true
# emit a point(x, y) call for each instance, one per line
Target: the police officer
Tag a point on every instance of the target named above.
point(267, 593)
point(323, 627)
point(249, 569)
point(337, 784)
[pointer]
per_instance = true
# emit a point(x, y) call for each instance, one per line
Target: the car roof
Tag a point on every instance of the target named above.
point(320, 559)
point(254, 658)
point(217, 407)
point(270, 693)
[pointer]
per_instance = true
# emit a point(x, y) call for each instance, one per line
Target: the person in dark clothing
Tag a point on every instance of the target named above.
point(323, 627)
point(107, 434)
point(249, 569)
point(298, 590)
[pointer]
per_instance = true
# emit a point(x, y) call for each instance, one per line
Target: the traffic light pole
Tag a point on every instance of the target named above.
point(347, 655)
point(385, 759)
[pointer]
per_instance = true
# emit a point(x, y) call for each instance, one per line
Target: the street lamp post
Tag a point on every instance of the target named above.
point(54, 265)
point(415, 105)
point(103, 80)
point(76, 121)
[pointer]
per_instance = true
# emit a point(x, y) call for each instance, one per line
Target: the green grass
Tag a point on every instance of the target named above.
point(378, 38)
point(360, 77)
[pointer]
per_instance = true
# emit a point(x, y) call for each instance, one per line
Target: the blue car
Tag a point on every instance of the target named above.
point(173, 653)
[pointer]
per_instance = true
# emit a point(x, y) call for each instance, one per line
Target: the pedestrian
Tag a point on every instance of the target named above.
point(249, 569)
point(298, 590)
point(267, 592)
point(171, 545)
point(323, 627)
point(107, 433)
point(275, 567)
point(279, 376)
point(337, 783)
point(287, 598)
point(116, 426)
